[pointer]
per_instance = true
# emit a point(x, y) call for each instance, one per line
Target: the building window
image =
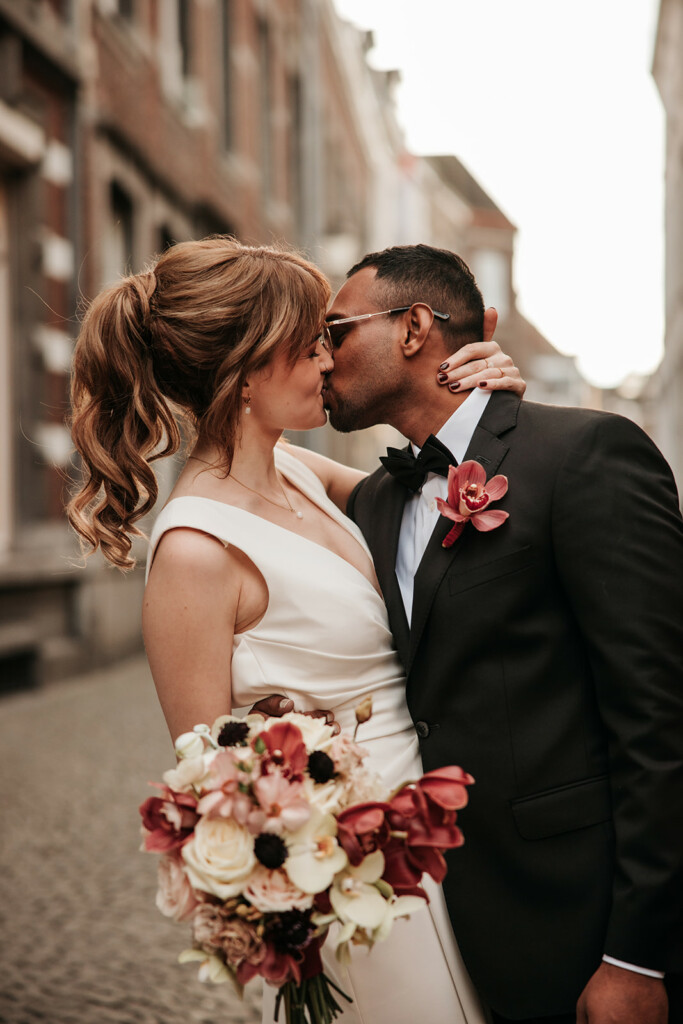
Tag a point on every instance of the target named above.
point(119, 240)
point(166, 239)
point(296, 153)
point(265, 73)
point(491, 267)
point(226, 70)
point(175, 27)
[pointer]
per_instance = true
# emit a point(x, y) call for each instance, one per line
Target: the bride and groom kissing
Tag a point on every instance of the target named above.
point(543, 653)
point(545, 656)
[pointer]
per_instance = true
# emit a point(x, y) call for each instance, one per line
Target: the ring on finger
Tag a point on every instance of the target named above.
point(501, 372)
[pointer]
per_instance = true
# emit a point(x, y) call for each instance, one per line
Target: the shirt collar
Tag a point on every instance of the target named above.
point(457, 431)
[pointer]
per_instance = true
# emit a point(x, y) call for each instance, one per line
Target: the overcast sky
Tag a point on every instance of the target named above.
point(553, 108)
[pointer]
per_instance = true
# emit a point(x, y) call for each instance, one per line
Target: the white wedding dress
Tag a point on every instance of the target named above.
point(325, 642)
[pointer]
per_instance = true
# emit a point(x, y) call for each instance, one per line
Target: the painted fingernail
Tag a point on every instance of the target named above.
point(442, 377)
point(454, 387)
point(444, 366)
point(285, 702)
point(483, 384)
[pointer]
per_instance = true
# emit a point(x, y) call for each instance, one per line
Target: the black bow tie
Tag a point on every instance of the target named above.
point(411, 471)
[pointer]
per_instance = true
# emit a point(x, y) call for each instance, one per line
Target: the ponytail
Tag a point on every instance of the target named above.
point(182, 337)
point(120, 420)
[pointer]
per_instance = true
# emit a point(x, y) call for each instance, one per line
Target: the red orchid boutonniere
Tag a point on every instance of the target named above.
point(469, 497)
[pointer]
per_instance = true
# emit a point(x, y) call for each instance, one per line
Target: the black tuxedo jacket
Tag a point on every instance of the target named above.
point(546, 658)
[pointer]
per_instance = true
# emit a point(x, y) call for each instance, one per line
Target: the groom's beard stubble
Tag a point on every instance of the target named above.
point(347, 417)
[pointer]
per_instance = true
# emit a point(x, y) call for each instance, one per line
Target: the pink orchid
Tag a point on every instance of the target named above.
point(469, 496)
point(283, 803)
point(286, 748)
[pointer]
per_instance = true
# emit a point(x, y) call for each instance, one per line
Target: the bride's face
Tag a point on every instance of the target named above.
point(286, 396)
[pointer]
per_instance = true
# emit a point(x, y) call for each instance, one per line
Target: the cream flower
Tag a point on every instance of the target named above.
point(189, 744)
point(272, 892)
point(399, 906)
point(190, 773)
point(328, 797)
point(211, 968)
point(315, 856)
point(366, 915)
point(219, 857)
point(316, 734)
point(256, 724)
point(354, 896)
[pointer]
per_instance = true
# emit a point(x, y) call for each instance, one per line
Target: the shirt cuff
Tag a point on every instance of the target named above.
point(632, 967)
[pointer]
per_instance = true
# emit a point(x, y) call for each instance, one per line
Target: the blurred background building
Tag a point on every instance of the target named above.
point(127, 125)
point(664, 393)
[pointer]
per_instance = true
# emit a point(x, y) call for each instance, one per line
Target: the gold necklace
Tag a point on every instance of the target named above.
point(289, 508)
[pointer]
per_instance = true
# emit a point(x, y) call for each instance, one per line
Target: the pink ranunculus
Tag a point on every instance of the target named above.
point(220, 786)
point(207, 927)
point(175, 897)
point(168, 821)
point(272, 892)
point(283, 803)
point(469, 495)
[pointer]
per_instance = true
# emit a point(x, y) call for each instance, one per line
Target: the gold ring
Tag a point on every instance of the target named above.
point(500, 371)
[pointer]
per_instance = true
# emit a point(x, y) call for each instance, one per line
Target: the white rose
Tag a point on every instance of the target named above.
point(219, 857)
point(316, 734)
point(189, 744)
point(328, 797)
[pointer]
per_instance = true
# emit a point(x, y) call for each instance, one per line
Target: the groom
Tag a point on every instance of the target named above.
point(545, 656)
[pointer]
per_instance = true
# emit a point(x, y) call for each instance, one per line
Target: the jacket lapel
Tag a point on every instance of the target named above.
point(487, 448)
point(390, 499)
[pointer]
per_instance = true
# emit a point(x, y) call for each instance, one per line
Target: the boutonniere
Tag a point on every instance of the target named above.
point(469, 497)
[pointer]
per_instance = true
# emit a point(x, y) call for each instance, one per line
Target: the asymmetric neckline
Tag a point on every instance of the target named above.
point(307, 483)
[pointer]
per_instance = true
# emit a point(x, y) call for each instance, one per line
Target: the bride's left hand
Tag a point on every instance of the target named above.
point(482, 365)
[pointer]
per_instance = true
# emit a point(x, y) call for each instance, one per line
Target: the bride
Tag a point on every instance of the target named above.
point(256, 579)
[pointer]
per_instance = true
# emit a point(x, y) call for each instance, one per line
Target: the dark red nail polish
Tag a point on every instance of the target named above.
point(442, 377)
point(444, 366)
point(483, 384)
point(454, 387)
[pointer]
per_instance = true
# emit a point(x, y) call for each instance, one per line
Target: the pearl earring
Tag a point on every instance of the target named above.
point(247, 402)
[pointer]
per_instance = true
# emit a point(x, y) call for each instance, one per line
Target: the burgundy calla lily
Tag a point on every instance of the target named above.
point(469, 495)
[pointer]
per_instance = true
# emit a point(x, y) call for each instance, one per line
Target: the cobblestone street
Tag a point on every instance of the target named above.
point(82, 940)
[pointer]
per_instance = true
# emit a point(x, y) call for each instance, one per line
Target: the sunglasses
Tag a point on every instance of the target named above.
point(331, 337)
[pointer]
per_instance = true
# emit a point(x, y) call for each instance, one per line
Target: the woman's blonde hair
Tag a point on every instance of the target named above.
point(181, 337)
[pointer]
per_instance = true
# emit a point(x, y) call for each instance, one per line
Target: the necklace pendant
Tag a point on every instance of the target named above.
point(299, 515)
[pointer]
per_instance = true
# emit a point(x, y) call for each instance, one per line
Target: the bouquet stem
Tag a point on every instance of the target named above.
point(311, 1002)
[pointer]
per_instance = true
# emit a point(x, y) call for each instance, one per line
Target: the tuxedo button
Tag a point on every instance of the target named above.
point(422, 729)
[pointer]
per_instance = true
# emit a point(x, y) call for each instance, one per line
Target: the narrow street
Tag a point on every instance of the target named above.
point(82, 940)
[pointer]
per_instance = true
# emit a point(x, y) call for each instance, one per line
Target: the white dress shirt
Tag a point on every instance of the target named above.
point(420, 516)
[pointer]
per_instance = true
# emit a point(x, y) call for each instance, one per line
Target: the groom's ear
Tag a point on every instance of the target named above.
point(490, 322)
point(416, 324)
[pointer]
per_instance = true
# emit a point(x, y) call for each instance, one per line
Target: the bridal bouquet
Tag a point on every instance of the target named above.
point(270, 831)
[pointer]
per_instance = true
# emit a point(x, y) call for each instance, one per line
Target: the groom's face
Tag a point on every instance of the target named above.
point(363, 385)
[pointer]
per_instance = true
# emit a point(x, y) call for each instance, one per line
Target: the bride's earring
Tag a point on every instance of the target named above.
point(247, 404)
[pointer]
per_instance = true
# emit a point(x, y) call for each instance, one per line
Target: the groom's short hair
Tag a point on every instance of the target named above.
point(422, 273)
